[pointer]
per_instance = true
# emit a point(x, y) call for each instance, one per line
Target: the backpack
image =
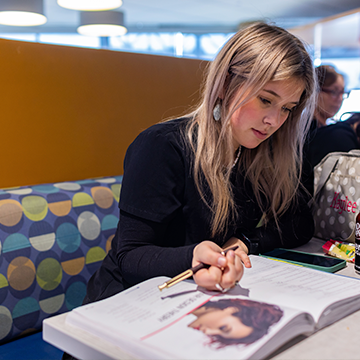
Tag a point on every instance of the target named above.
point(337, 195)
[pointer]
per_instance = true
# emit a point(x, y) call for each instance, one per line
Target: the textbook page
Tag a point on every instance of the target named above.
point(303, 288)
point(148, 323)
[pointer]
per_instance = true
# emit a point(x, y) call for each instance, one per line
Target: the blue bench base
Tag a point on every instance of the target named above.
point(31, 347)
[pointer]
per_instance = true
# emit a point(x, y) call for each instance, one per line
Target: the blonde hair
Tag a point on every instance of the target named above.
point(250, 59)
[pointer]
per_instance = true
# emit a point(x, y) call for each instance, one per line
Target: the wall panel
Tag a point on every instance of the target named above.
point(70, 113)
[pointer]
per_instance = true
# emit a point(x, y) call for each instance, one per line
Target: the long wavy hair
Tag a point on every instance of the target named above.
point(251, 58)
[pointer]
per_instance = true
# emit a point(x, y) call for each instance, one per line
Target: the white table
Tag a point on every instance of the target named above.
point(337, 341)
point(79, 343)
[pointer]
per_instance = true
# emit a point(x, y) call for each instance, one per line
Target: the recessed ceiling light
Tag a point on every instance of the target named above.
point(102, 23)
point(90, 5)
point(22, 12)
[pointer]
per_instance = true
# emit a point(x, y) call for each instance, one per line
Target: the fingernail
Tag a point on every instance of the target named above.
point(221, 261)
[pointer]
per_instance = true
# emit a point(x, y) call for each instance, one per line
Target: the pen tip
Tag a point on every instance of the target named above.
point(163, 286)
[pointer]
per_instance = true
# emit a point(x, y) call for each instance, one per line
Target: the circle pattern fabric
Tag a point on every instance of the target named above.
point(52, 239)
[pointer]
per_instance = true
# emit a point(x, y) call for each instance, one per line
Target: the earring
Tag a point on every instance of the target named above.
point(217, 112)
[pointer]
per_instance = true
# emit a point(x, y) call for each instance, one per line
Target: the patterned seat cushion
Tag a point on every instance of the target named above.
point(52, 239)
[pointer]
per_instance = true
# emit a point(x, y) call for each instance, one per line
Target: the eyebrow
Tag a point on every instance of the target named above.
point(277, 95)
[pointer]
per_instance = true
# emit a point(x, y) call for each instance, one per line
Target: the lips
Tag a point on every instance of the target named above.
point(259, 134)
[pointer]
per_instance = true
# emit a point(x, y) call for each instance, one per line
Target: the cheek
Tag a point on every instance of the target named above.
point(321, 100)
point(286, 118)
point(327, 103)
point(243, 117)
point(236, 118)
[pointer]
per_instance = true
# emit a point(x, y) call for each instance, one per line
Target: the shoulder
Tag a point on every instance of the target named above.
point(170, 128)
point(331, 138)
point(337, 126)
point(156, 169)
point(169, 132)
point(161, 144)
point(336, 137)
point(337, 131)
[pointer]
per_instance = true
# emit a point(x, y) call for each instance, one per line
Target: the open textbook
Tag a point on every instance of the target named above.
point(273, 303)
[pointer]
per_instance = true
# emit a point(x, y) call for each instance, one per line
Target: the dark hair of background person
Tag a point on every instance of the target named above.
point(326, 75)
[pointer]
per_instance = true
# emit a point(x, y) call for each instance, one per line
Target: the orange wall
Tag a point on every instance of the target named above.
point(70, 113)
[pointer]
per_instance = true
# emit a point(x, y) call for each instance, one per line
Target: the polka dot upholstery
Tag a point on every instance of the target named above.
point(52, 239)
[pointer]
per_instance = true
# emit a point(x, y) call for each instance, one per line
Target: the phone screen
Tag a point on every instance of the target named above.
point(305, 258)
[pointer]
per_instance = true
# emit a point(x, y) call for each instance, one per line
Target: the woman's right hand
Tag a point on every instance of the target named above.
point(224, 271)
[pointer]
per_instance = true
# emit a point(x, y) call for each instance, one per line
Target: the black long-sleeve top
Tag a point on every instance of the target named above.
point(162, 217)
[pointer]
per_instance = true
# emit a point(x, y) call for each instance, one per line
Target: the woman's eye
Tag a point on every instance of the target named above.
point(225, 328)
point(265, 101)
point(285, 109)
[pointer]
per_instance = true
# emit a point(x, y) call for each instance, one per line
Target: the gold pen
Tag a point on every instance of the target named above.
point(190, 272)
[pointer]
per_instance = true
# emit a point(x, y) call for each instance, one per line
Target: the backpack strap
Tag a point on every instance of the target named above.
point(328, 165)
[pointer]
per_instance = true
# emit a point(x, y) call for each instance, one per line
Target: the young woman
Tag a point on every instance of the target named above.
point(235, 321)
point(196, 185)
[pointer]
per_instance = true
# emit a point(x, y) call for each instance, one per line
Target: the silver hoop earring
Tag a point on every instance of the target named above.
point(217, 112)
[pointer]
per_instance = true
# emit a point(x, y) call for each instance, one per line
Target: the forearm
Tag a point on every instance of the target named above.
point(139, 254)
point(294, 230)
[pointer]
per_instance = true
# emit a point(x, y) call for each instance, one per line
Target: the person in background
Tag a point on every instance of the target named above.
point(331, 94)
point(323, 138)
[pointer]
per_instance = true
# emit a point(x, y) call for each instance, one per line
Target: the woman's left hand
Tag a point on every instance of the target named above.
point(241, 251)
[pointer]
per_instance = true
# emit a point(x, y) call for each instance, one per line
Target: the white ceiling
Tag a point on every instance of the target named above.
point(198, 15)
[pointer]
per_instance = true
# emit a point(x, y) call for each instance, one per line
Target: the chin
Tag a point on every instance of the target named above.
point(252, 146)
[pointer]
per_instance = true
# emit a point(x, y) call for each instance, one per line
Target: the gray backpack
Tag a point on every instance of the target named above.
point(337, 195)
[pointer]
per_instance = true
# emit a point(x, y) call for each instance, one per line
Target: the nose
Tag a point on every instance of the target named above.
point(210, 331)
point(273, 117)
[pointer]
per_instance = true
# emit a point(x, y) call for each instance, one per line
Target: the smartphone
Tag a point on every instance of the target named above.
point(318, 262)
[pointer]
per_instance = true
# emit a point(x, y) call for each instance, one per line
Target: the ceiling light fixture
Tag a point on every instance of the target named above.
point(22, 12)
point(102, 23)
point(90, 5)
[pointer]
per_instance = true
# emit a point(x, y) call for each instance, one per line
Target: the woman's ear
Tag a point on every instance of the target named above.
point(202, 310)
point(231, 310)
point(222, 94)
